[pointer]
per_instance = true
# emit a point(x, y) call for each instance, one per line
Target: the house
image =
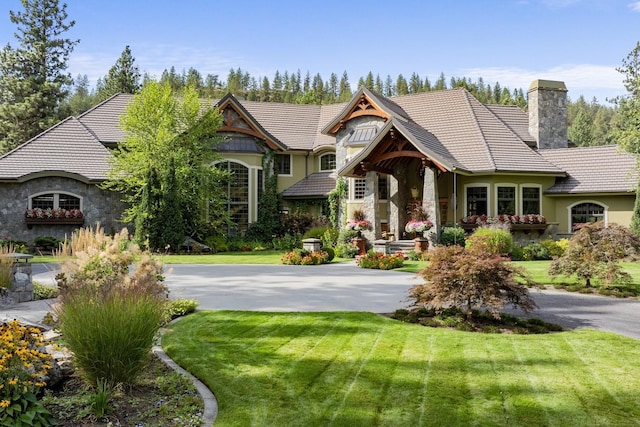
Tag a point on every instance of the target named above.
point(443, 151)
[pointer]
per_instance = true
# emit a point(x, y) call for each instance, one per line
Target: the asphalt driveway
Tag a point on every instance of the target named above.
point(344, 286)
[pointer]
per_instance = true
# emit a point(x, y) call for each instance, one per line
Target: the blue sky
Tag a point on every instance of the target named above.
point(513, 42)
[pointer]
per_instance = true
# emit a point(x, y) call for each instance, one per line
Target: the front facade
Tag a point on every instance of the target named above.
point(444, 152)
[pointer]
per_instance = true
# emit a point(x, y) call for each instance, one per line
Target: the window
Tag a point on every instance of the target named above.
point(55, 201)
point(383, 187)
point(586, 212)
point(506, 200)
point(283, 164)
point(359, 188)
point(477, 201)
point(327, 162)
point(237, 196)
point(531, 201)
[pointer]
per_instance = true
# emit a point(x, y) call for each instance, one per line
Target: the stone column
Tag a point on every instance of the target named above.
point(398, 201)
point(371, 206)
point(431, 204)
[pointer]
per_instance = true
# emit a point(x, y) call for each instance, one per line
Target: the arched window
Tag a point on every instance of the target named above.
point(327, 162)
point(54, 201)
point(586, 212)
point(237, 196)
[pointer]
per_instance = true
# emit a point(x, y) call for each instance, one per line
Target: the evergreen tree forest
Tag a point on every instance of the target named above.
point(590, 123)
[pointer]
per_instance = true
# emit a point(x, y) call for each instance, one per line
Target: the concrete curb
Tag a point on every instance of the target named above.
point(210, 402)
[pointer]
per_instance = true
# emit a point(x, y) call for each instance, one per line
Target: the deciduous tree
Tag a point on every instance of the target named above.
point(161, 129)
point(470, 279)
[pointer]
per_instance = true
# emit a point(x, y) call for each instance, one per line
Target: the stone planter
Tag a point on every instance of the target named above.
point(21, 289)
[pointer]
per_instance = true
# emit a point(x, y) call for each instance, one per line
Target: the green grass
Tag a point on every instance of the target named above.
point(360, 369)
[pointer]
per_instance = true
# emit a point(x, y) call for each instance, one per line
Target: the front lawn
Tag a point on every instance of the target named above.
point(361, 369)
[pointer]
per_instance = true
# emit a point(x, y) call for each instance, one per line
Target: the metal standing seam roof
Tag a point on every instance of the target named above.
point(599, 169)
point(66, 148)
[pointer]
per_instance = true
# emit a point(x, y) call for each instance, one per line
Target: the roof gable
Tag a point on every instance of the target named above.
point(364, 103)
point(235, 118)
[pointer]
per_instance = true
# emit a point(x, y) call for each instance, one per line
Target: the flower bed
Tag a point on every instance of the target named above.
point(379, 261)
point(24, 369)
point(305, 257)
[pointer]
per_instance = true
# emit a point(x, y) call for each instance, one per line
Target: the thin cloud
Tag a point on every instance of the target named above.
point(587, 79)
point(635, 6)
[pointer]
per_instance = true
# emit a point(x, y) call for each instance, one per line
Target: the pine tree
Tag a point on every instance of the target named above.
point(81, 99)
point(33, 81)
point(627, 131)
point(123, 77)
point(345, 89)
point(402, 88)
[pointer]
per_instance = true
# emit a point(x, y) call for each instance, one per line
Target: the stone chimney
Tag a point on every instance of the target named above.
point(548, 113)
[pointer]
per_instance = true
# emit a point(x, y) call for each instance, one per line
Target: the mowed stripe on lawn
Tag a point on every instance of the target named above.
point(357, 369)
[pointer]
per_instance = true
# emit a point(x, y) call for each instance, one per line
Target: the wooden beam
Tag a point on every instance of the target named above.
point(369, 167)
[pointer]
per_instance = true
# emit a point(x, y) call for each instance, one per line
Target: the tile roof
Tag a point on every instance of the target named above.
point(66, 148)
point(318, 184)
point(472, 133)
point(104, 119)
point(600, 169)
point(293, 124)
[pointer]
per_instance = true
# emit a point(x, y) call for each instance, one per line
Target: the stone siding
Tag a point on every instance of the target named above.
point(548, 114)
point(98, 206)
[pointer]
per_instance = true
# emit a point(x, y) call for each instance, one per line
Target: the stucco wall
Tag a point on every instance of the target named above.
point(98, 206)
point(618, 209)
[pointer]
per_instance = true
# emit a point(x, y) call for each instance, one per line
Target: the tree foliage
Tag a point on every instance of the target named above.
point(627, 130)
point(33, 81)
point(161, 128)
point(594, 252)
point(123, 77)
point(470, 279)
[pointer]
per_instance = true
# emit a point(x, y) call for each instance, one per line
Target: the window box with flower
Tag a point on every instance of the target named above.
point(514, 222)
point(54, 216)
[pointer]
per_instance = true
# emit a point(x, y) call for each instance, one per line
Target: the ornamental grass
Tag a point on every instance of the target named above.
point(6, 264)
point(108, 316)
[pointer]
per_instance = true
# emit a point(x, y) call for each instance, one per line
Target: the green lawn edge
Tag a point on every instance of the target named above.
point(357, 369)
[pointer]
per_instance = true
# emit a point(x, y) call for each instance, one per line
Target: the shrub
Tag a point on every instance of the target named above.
point(471, 278)
point(330, 237)
point(297, 222)
point(216, 243)
point(555, 248)
point(96, 289)
point(453, 236)
point(346, 236)
point(535, 251)
point(414, 255)
point(288, 242)
point(315, 233)
point(305, 257)
point(331, 253)
point(179, 307)
point(380, 261)
point(46, 242)
point(346, 250)
point(24, 369)
point(594, 251)
point(493, 240)
point(41, 291)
